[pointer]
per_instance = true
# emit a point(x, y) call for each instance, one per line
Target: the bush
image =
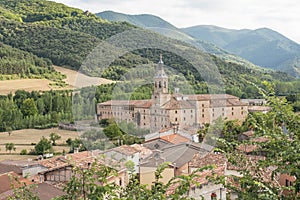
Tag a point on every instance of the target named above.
point(23, 152)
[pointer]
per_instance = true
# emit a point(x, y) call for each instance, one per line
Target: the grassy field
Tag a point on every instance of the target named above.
point(24, 139)
point(74, 80)
point(16, 157)
point(78, 80)
point(23, 84)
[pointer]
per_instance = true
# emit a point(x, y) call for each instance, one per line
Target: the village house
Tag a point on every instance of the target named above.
point(11, 170)
point(176, 155)
point(164, 110)
point(60, 168)
point(124, 154)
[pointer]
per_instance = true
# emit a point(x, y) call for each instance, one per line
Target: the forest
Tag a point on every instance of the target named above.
point(36, 34)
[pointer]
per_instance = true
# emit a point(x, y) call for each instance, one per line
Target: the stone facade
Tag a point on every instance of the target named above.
point(165, 110)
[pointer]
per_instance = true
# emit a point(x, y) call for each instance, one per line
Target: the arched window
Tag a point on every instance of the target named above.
point(165, 84)
point(159, 84)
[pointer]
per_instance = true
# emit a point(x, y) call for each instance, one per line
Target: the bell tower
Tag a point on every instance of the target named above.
point(161, 84)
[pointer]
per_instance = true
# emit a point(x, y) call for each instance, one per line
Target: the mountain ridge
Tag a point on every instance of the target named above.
point(67, 38)
point(175, 33)
point(263, 47)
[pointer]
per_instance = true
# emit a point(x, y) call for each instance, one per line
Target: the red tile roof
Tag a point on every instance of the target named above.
point(5, 181)
point(175, 138)
point(125, 149)
point(200, 160)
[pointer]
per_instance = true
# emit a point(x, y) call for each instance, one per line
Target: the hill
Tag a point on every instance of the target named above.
point(263, 47)
point(158, 25)
point(66, 36)
point(143, 20)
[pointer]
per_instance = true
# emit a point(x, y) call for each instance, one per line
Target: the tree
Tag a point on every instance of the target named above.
point(10, 146)
point(43, 146)
point(54, 137)
point(112, 131)
point(28, 107)
point(281, 127)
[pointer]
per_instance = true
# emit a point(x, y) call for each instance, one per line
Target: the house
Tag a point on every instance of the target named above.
point(6, 179)
point(189, 132)
point(44, 191)
point(60, 168)
point(164, 110)
point(22, 167)
point(206, 188)
point(176, 155)
point(124, 154)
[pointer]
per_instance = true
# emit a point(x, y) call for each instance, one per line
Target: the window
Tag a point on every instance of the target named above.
point(183, 111)
point(222, 109)
point(175, 111)
point(232, 113)
point(176, 119)
point(213, 114)
point(287, 183)
point(242, 112)
point(191, 111)
point(203, 115)
point(184, 119)
point(242, 108)
point(232, 108)
point(144, 117)
point(202, 105)
point(202, 110)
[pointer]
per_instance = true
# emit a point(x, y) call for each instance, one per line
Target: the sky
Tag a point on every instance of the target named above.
point(280, 15)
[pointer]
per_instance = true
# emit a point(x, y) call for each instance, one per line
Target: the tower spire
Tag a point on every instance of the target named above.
point(160, 59)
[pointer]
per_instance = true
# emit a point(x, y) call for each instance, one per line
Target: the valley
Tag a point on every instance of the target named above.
point(161, 112)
